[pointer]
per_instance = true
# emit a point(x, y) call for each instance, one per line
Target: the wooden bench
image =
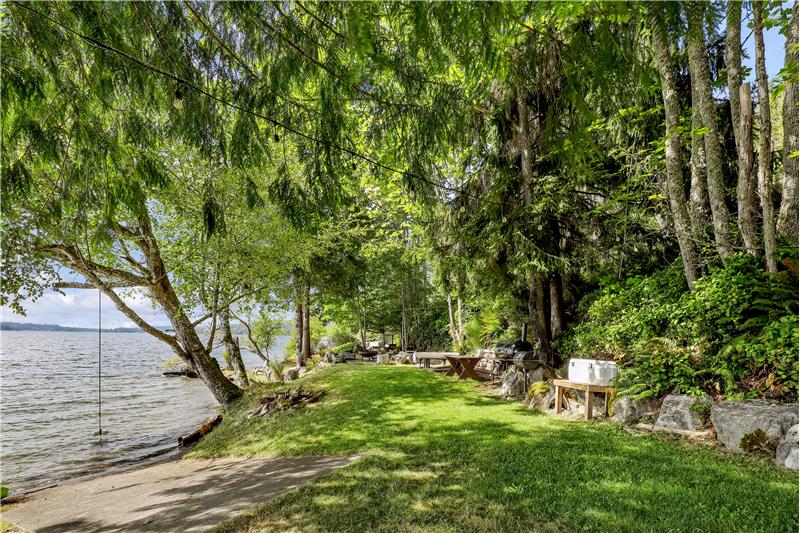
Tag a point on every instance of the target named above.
point(562, 384)
point(424, 358)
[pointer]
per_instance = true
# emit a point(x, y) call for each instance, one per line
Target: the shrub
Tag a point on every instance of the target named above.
point(734, 335)
point(346, 347)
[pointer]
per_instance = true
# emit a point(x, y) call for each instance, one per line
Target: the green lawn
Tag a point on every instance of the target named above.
point(446, 457)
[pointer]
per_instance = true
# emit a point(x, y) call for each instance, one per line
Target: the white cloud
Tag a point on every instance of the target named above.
point(78, 308)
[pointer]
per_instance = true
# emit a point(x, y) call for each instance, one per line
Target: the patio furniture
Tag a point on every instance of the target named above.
point(424, 358)
point(463, 366)
point(562, 384)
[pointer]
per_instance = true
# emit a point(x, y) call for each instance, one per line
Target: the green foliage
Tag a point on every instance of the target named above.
point(344, 347)
point(338, 335)
point(539, 387)
point(735, 334)
point(172, 362)
point(226, 356)
point(277, 367)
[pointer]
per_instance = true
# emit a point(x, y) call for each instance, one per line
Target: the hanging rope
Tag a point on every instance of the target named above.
point(99, 362)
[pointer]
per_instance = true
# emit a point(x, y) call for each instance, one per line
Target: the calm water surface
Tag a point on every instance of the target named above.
point(48, 409)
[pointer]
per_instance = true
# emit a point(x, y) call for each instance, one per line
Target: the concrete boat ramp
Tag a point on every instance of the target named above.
point(185, 495)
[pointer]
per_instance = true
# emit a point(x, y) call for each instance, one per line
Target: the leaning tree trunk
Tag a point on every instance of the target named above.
point(672, 112)
point(787, 217)
point(701, 82)
point(207, 367)
point(698, 191)
point(306, 326)
point(765, 142)
point(742, 121)
point(232, 346)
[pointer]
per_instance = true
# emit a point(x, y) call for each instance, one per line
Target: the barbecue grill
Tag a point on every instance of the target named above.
point(522, 354)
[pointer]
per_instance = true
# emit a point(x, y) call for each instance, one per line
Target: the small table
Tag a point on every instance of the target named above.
point(463, 366)
point(562, 384)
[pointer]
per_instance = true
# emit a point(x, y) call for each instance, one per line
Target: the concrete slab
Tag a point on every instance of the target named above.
point(186, 495)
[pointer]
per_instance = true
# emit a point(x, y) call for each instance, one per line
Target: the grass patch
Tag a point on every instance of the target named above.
point(447, 458)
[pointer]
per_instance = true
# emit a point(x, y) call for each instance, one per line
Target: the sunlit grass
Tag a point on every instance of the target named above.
point(444, 457)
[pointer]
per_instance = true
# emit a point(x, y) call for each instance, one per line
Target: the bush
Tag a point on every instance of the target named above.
point(346, 347)
point(734, 335)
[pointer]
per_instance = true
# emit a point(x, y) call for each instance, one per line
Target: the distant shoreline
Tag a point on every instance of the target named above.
point(20, 326)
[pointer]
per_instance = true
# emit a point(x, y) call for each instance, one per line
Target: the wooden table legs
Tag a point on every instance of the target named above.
point(589, 390)
point(468, 369)
point(589, 399)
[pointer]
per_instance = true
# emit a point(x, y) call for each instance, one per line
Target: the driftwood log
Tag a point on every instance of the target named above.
point(281, 401)
point(176, 373)
point(196, 435)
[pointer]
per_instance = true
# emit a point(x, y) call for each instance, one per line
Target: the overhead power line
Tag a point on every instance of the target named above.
point(275, 122)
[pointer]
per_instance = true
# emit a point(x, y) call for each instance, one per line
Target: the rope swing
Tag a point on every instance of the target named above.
point(99, 363)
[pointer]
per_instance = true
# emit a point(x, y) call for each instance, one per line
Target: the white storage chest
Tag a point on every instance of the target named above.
point(592, 371)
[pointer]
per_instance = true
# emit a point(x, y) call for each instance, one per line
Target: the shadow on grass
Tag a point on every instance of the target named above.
point(449, 459)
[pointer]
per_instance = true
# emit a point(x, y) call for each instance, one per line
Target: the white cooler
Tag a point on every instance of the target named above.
point(592, 371)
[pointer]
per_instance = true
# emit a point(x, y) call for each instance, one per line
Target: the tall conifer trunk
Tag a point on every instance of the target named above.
point(306, 325)
point(698, 191)
point(787, 217)
point(764, 142)
point(742, 121)
point(672, 112)
point(701, 83)
point(298, 331)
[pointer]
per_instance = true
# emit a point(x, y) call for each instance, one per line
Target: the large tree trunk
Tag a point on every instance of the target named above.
point(742, 121)
point(701, 83)
point(557, 321)
point(787, 217)
point(450, 315)
point(298, 332)
point(539, 313)
point(765, 142)
point(698, 192)
point(672, 112)
point(232, 346)
point(306, 325)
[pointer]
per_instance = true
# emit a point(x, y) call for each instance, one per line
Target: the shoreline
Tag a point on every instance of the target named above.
point(172, 454)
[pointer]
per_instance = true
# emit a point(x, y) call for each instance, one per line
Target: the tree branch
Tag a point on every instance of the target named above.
point(79, 285)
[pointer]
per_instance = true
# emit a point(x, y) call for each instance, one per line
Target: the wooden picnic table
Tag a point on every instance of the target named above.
point(424, 358)
point(463, 366)
point(562, 384)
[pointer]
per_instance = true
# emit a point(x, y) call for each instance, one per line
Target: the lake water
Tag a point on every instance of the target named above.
point(48, 404)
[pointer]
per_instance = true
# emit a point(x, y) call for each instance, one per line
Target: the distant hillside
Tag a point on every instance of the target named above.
point(19, 326)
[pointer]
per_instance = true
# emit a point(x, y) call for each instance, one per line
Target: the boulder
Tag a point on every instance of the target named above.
point(787, 452)
point(542, 395)
point(684, 412)
point(628, 411)
point(542, 373)
point(575, 403)
point(735, 419)
point(513, 386)
point(291, 374)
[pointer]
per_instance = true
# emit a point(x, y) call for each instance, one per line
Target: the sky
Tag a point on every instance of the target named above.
point(78, 308)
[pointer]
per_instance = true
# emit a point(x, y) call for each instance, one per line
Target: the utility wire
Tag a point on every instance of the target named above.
point(101, 45)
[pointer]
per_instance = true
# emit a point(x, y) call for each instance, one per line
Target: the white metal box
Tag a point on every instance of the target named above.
point(592, 371)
